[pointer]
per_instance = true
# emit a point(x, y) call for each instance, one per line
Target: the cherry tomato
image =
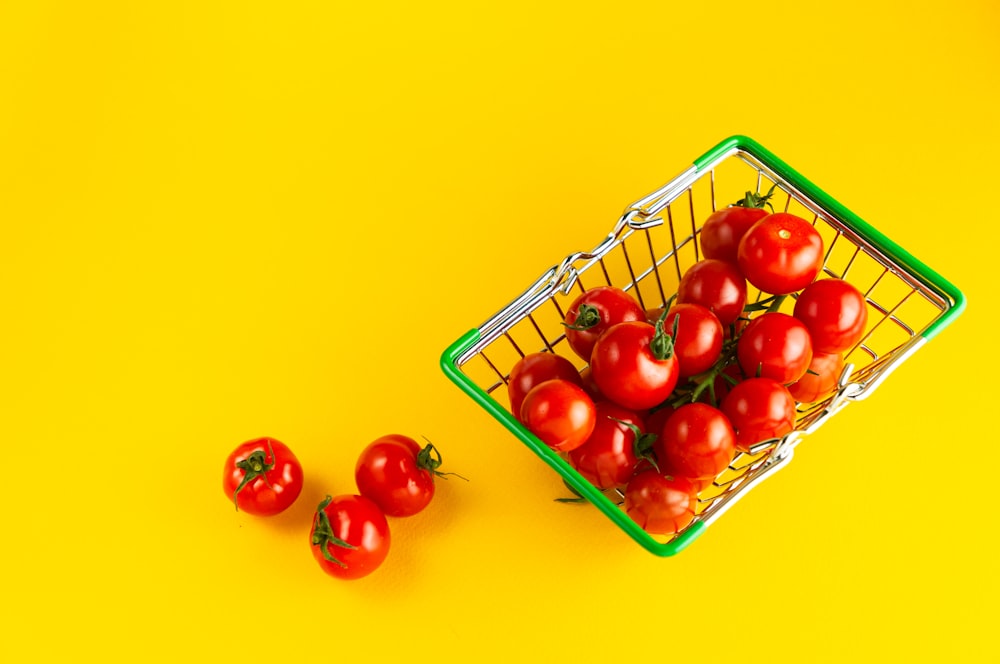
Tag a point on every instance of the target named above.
point(775, 345)
point(593, 312)
point(608, 458)
point(835, 313)
point(781, 254)
point(723, 230)
point(716, 285)
point(535, 368)
point(560, 413)
point(262, 477)
point(698, 343)
point(349, 536)
point(634, 365)
point(660, 504)
point(759, 409)
point(820, 380)
point(697, 441)
point(397, 474)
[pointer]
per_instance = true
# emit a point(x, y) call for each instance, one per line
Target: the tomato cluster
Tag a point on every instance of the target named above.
point(668, 397)
point(350, 534)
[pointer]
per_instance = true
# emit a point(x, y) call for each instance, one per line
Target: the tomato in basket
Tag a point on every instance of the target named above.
point(775, 345)
point(781, 254)
point(594, 312)
point(535, 368)
point(722, 231)
point(716, 285)
point(560, 413)
point(634, 365)
point(835, 313)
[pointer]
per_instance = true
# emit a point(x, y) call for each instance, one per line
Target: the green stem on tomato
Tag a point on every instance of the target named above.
point(662, 344)
point(323, 536)
point(587, 316)
point(429, 459)
point(254, 466)
point(755, 200)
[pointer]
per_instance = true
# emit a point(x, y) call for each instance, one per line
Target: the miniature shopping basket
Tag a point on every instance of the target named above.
point(647, 251)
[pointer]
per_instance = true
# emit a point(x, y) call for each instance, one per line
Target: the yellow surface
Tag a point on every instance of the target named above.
point(224, 220)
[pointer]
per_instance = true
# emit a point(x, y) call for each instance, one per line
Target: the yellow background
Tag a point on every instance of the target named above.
point(226, 220)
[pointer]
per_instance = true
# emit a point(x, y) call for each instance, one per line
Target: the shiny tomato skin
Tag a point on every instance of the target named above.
point(723, 230)
point(697, 441)
point(627, 372)
point(610, 306)
point(759, 409)
point(698, 343)
point(271, 491)
point(359, 522)
point(607, 459)
point(718, 286)
point(660, 504)
point(820, 380)
point(775, 345)
point(387, 473)
point(835, 313)
point(560, 414)
point(535, 368)
point(781, 254)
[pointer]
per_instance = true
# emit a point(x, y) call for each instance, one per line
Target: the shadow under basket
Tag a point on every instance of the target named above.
point(650, 247)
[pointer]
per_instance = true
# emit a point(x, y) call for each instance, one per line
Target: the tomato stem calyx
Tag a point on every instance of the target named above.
point(254, 466)
point(429, 459)
point(642, 445)
point(323, 533)
point(587, 316)
point(662, 344)
point(755, 200)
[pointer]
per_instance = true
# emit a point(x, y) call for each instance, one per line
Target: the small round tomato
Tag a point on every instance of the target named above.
point(593, 312)
point(781, 254)
point(723, 230)
point(560, 413)
point(835, 313)
point(535, 368)
point(698, 343)
point(660, 504)
point(697, 441)
point(759, 409)
point(262, 477)
point(349, 536)
point(608, 458)
point(397, 474)
point(775, 345)
point(716, 285)
point(820, 380)
point(634, 365)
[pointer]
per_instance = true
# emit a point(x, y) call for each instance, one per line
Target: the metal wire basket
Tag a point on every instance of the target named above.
point(647, 251)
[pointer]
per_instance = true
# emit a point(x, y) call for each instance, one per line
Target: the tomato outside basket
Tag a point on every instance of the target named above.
point(647, 251)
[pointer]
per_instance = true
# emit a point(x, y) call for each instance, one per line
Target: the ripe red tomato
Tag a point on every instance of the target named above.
point(781, 254)
point(835, 313)
point(535, 368)
point(560, 413)
point(397, 474)
point(349, 536)
point(723, 230)
point(775, 345)
point(698, 343)
point(608, 458)
point(716, 285)
point(634, 365)
point(262, 477)
point(820, 380)
point(593, 312)
point(759, 409)
point(697, 441)
point(660, 504)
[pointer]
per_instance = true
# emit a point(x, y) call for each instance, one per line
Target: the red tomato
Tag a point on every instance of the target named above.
point(781, 254)
point(698, 343)
point(723, 230)
point(835, 313)
point(397, 474)
point(697, 441)
point(593, 312)
point(608, 458)
point(560, 413)
point(775, 345)
point(660, 504)
point(820, 380)
point(349, 536)
point(634, 365)
point(262, 477)
point(759, 409)
point(535, 368)
point(716, 285)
